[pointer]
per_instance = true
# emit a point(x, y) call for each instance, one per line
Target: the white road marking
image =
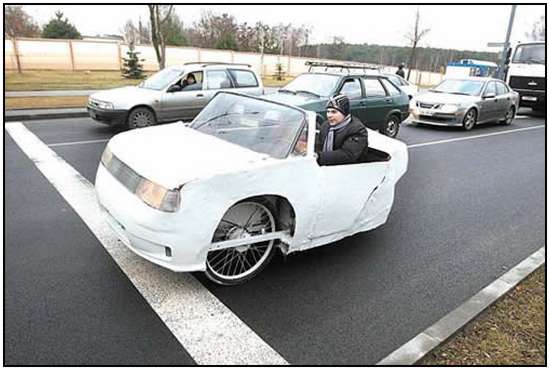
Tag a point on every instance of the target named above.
point(474, 137)
point(79, 142)
point(206, 328)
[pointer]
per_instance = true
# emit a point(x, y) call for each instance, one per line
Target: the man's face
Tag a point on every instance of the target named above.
point(334, 116)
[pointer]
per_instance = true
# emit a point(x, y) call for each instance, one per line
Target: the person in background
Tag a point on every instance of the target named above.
point(342, 137)
point(400, 71)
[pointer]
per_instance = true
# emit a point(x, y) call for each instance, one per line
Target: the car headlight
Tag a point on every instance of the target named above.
point(106, 157)
point(101, 104)
point(449, 108)
point(158, 196)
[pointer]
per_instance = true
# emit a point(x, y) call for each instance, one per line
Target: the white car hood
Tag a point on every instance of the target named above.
point(172, 155)
point(125, 94)
point(443, 98)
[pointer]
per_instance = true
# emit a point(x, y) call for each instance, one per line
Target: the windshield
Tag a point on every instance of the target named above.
point(161, 79)
point(460, 87)
point(319, 84)
point(531, 53)
point(255, 124)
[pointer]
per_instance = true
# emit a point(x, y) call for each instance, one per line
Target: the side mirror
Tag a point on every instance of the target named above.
point(489, 96)
point(174, 88)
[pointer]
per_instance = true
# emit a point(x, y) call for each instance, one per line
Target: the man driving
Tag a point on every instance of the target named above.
point(189, 80)
point(342, 137)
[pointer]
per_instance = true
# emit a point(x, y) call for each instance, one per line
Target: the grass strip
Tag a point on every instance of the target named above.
point(510, 332)
point(38, 102)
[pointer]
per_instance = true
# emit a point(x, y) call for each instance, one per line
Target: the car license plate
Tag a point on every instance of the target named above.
point(529, 98)
point(426, 112)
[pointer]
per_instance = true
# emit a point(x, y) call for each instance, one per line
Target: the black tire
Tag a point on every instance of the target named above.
point(509, 117)
point(228, 266)
point(141, 117)
point(470, 119)
point(391, 126)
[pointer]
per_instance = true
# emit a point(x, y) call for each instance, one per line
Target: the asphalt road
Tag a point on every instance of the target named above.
point(465, 212)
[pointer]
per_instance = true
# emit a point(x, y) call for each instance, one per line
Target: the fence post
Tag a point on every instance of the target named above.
point(232, 53)
point(288, 66)
point(16, 53)
point(198, 54)
point(119, 54)
point(71, 54)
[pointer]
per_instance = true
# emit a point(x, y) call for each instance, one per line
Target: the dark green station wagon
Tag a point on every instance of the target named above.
point(375, 100)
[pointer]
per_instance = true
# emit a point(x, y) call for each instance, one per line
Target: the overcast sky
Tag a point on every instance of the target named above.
point(464, 27)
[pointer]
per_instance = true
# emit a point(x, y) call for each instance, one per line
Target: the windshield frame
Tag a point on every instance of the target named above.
point(518, 47)
point(334, 89)
point(182, 70)
point(479, 93)
point(305, 122)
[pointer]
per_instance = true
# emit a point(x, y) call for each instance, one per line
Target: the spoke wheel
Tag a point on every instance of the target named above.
point(141, 117)
point(235, 265)
point(469, 120)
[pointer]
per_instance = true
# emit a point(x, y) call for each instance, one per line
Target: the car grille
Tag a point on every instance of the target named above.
point(436, 118)
point(124, 174)
point(427, 105)
point(527, 83)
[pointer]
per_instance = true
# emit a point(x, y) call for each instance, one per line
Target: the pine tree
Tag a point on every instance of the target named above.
point(132, 67)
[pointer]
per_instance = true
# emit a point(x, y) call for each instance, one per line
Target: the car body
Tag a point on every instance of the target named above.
point(526, 74)
point(174, 193)
point(376, 101)
point(165, 97)
point(465, 102)
point(408, 88)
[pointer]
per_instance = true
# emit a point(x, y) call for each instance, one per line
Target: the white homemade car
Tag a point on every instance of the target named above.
point(222, 193)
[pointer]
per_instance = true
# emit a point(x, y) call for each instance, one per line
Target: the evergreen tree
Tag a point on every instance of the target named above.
point(59, 28)
point(132, 67)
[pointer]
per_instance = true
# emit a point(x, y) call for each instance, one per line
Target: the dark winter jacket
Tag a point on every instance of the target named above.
point(349, 142)
point(400, 72)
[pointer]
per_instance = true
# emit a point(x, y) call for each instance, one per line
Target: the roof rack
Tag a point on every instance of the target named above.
point(342, 66)
point(204, 64)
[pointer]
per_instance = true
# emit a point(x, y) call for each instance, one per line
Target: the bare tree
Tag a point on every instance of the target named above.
point(159, 15)
point(414, 37)
point(17, 23)
point(538, 32)
point(130, 33)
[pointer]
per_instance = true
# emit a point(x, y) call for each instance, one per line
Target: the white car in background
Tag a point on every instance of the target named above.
point(408, 88)
point(222, 193)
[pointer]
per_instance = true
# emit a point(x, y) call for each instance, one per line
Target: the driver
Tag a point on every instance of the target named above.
point(190, 80)
point(342, 137)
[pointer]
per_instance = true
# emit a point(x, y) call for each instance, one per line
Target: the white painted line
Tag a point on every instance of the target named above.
point(423, 343)
point(207, 329)
point(474, 137)
point(79, 142)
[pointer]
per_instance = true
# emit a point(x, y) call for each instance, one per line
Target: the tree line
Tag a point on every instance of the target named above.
point(222, 31)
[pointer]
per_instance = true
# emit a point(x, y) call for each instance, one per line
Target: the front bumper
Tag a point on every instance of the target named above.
point(531, 98)
point(110, 117)
point(165, 239)
point(437, 118)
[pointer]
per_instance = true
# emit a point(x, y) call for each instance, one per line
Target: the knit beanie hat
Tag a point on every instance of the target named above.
point(339, 102)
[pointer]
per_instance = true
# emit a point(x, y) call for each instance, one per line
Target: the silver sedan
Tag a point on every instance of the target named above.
point(465, 102)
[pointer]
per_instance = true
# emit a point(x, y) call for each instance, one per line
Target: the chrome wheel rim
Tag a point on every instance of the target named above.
point(142, 119)
point(243, 220)
point(509, 116)
point(470, 120)
point(391, 127)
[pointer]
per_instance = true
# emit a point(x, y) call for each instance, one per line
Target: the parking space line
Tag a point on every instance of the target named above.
point(79, 142)
point(474, 137)
point(208, 330)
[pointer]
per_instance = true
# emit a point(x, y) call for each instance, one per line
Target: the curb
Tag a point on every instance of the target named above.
point(425, 342)
point(11, 116)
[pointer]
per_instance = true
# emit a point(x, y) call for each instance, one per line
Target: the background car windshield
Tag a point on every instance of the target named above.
point(463, 87)
point(319, 84)
point(161, 79)
point(255, 124)
point(530, 54)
